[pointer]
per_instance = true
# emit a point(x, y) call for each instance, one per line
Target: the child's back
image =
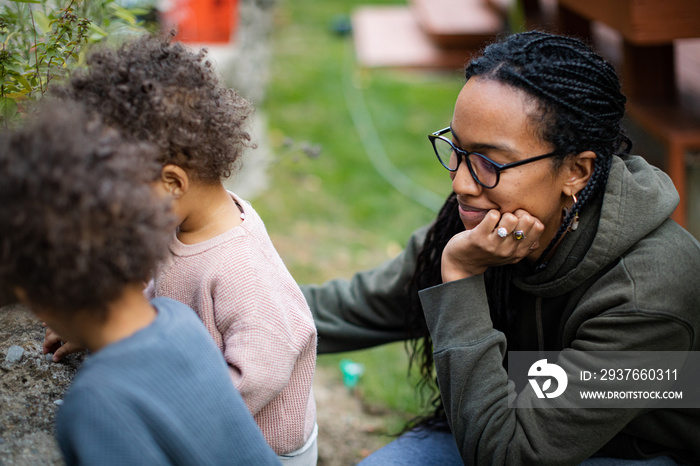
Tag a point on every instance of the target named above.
point(80, 230)
point(158, 397)
point(259, 319)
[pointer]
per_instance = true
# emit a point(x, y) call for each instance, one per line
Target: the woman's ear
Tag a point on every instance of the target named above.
point(580, 168)
point(174, 180)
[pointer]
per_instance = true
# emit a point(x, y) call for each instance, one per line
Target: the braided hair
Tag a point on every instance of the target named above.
point(580, 107)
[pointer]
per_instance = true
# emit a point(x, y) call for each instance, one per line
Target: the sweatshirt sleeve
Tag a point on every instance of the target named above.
point(261, 361)
point(479, 399)
point(266, 329)
point(368, 310)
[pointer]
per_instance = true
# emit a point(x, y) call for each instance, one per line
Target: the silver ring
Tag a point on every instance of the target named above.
point(502, 232)
point(519, 234)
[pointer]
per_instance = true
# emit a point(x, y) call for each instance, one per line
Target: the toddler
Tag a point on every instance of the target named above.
point(221, 262)
point(80, 230)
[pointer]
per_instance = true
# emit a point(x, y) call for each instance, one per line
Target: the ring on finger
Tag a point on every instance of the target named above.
point(502, 232)
point(519, 234)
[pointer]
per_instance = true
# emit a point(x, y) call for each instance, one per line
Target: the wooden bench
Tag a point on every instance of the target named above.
point(648, 69)
point(389, 36)
point(465, 24)
point(424, 33)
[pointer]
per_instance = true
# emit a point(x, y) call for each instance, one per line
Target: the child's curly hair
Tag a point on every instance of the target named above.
point(78, 218)
point(158, 91)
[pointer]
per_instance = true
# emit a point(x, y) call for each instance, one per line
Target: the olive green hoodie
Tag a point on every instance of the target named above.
point(627, 279)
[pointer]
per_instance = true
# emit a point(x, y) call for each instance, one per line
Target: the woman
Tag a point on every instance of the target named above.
point(554, 238)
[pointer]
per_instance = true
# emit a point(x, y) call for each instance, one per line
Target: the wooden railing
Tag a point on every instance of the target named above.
point(648, 70)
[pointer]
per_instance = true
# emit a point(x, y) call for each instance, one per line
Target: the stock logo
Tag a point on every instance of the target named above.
point(542, 368)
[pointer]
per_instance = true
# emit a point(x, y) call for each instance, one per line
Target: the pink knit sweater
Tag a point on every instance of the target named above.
point(255, 311)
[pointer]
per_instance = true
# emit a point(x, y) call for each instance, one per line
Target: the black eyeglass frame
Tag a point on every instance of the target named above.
point(464, 154)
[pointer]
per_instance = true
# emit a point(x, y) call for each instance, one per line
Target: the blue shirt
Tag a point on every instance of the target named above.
point(161, 396)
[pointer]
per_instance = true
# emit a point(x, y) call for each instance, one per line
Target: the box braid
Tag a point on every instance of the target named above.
point(580, 107)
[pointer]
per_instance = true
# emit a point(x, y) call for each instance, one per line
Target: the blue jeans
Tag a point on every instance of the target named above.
point(421, 447)
point(428, 448)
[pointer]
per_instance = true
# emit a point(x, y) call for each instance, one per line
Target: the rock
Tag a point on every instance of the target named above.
point(14, 354)
point(27, 392)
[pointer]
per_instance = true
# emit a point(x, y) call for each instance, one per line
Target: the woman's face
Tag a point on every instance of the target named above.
point(496, 120)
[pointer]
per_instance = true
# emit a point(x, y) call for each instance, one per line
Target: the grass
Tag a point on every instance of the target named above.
point(328, 210)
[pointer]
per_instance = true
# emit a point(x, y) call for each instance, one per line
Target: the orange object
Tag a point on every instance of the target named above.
point(203, 20)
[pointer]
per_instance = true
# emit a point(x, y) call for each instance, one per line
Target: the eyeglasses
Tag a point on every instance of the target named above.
point(485, 171)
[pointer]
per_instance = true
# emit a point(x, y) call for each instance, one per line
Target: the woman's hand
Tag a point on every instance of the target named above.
point(473, 251)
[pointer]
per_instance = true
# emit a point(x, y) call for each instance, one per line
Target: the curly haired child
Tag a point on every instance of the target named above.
point(222, 262)
point(80, 230)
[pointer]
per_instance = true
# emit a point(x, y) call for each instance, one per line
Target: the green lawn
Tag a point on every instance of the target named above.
point(334, 127)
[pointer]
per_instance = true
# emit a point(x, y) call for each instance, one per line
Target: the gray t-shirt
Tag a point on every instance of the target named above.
point(161, 396)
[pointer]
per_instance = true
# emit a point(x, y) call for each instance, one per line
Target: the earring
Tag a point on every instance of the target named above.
point(565, 212)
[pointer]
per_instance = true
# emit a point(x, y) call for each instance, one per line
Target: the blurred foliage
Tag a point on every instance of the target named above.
point(43, 40)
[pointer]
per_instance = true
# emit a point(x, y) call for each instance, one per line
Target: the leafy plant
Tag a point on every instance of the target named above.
point(43, 40)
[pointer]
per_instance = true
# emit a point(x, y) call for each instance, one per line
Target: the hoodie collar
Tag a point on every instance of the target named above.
point(638, 198)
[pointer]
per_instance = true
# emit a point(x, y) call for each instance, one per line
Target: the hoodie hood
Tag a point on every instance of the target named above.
point(637, 199)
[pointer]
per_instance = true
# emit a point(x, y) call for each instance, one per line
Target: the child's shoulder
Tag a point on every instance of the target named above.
point(171, 310)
